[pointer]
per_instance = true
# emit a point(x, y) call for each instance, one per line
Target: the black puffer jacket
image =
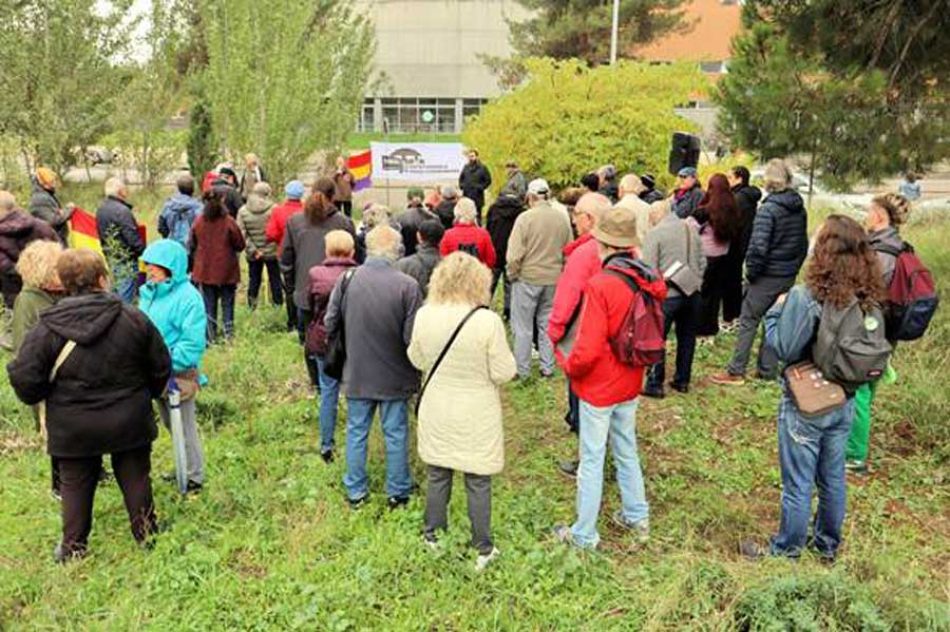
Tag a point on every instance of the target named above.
point(501, 220)
point(779, 240)
point(747, 198)
point(100, 401)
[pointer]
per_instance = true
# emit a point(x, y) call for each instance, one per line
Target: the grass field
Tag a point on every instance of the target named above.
point(272, 544)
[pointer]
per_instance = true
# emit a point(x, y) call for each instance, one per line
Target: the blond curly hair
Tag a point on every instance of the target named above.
point(37, 264)
point(460, 279)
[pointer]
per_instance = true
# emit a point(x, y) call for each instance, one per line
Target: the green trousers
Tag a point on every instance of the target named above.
point(860, 437)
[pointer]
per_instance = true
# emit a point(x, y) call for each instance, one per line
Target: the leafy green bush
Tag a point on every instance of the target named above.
point(569, 119)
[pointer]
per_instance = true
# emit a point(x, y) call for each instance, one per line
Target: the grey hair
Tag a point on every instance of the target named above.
point(465, 211)
point(114, 187)
point(262, 189)
point(449, 191)
point(777, 176)
point(376, 215)
point(384, 242)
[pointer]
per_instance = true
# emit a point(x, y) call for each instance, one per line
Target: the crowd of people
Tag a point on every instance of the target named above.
point(399, 310)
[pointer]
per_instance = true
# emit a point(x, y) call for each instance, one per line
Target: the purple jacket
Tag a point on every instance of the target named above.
point(17, 229)
point(322, 279)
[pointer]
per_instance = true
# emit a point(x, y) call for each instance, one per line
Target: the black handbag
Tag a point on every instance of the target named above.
point(335, 357)
point(445, 350)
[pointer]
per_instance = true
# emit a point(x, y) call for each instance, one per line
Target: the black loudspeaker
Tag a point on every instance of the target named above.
point(684, 151)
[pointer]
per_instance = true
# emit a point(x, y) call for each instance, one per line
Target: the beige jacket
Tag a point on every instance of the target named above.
point(535, 249)
point(460, 418)
point(641, 209)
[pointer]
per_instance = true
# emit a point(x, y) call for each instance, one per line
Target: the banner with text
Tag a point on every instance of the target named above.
point(415, 162)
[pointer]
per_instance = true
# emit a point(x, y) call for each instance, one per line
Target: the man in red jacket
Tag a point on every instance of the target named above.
point(606, 387)
point(583, 263)
point(274, 232)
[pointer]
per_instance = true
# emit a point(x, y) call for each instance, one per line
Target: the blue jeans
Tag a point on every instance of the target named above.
point(684, 313)
point(329, 402)
point(617, 422)
point(394, 417)
point(811, 451)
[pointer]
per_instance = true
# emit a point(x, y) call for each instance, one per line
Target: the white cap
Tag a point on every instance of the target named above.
point(539, 186)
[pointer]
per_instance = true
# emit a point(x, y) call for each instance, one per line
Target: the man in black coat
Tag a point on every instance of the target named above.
point(120, 239)
point(500, 222)
point(474, 180)
point(777, 250)
point(226, 185)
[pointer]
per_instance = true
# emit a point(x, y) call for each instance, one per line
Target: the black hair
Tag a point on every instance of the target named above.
point(742, 173)
point(591, 181)
point(432, 231)
point(214, 206)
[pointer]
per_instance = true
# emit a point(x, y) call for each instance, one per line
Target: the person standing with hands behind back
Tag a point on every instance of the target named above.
point(216, 241)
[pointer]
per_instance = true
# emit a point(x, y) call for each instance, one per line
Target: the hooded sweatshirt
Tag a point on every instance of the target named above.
point(175, 306)
point(596, 375)
point(779, 240)
point(100, 402)
point(252, 219)
point(177, 217)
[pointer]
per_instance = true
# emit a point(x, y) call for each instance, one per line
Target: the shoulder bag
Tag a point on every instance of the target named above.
point(335, 357)
point(813, 394)
point(445, 350)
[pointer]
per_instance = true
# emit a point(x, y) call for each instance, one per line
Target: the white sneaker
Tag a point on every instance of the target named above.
point(483, 560)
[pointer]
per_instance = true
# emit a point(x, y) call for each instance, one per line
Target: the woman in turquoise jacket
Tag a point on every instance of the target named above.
point(176, 308)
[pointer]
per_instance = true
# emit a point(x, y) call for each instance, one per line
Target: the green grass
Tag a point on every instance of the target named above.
point(271, 543)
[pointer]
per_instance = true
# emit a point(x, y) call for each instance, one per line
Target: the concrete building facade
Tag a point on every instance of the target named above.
point(428, 55)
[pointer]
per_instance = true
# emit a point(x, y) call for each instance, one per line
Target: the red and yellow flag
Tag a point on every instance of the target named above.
point(361, 166)
point(84, 232)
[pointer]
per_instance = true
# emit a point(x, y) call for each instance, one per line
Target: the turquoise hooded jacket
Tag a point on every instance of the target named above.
point(175, 306)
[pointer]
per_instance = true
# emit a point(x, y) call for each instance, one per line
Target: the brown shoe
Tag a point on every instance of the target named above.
point(727, 379)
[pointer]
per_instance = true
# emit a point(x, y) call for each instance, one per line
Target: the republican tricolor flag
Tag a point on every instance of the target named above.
point(84, 232)
point(361, 166)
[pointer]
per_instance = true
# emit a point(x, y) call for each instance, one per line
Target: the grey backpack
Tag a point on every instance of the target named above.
point(851, 348)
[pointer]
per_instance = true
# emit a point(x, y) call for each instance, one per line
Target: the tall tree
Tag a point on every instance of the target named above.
point(863, 102)
point(285, 77)
point(60, 81)
point(582, 28)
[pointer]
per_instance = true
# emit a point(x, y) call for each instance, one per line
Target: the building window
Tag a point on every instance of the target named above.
point(712, 67)
point(423, 115)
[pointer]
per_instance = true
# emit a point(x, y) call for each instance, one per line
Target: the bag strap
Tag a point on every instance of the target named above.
point(64, 354)
point(344, 285)
point(445, 350)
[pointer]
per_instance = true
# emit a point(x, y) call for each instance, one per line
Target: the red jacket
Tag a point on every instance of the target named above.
point(583, 262)
point(274, 231)
point(215, 245)
point(596, 375)
point(471, 239)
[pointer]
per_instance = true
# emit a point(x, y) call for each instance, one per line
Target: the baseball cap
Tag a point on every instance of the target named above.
point(686, 172)
point(539, 186)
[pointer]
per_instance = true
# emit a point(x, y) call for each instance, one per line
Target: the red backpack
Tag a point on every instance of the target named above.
point(911, 297)
point(640, 340)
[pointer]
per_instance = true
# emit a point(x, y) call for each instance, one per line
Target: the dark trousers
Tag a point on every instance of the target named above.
point(684, 313)
point(291, 309)
point(79, 479)
point(573, 415)
point(499, 274)
point(10, 286)
point(759, 296)
point(304, 318)
point(255, 274)
point(346, 206)
point(213, 296)
point(732, 286)
point(478, 491)
point(714, 285)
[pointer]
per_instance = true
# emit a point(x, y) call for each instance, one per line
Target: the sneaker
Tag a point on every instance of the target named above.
point(680, 388)
point(327, 456)
point(727, 379)
point(358, 503)
point(858, 468)
point(431, 540)
point(752, 550)
point(484, 559)
point(194, 488)
point(395, 502)
point(568, 468)
point(62, 557)
point(653, 393)
point(54, 493)
point(640, 529)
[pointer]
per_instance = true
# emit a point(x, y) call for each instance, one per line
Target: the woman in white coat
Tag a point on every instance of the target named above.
point(460, 417)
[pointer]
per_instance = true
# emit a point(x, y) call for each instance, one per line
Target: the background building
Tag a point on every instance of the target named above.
point(428, 53)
